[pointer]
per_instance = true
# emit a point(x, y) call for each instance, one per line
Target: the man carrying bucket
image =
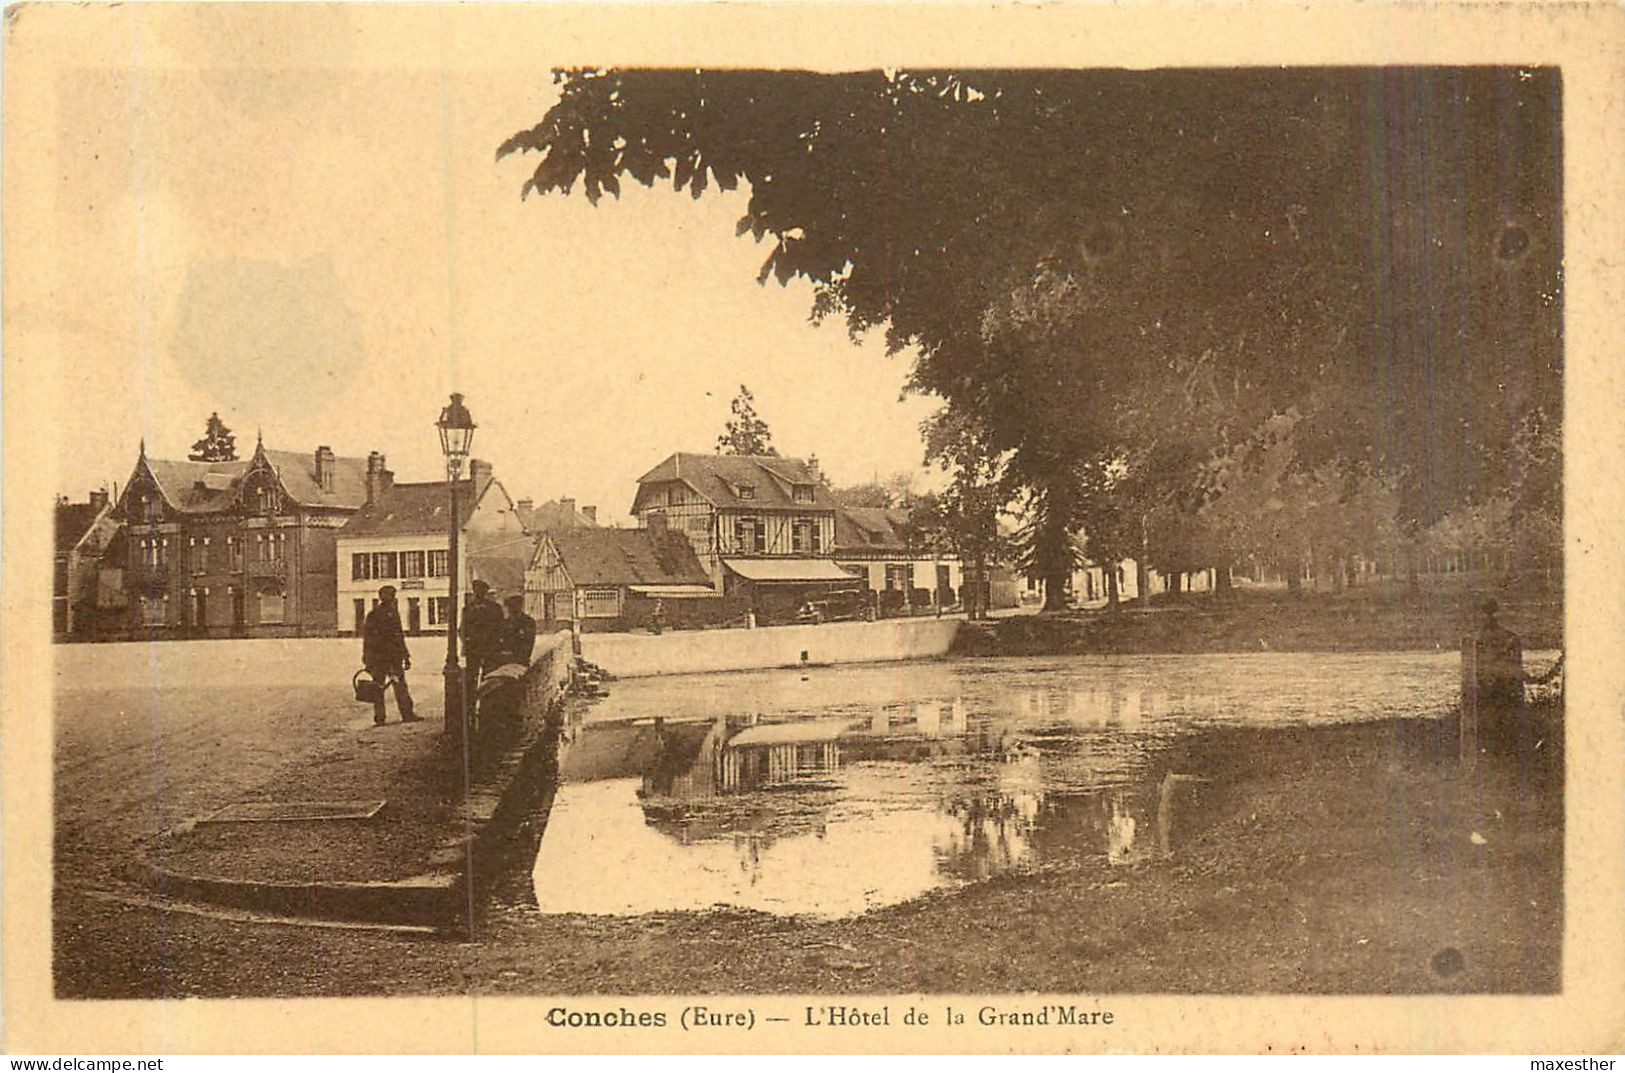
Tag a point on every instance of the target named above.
point(384, 655)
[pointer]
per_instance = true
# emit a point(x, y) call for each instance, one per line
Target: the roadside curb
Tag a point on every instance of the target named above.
point(461, 868)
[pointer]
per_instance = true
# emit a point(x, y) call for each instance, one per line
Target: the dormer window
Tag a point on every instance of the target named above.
point(804, 493)
point(747, 491)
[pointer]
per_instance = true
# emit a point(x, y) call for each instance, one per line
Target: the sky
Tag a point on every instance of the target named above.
point(261, 214)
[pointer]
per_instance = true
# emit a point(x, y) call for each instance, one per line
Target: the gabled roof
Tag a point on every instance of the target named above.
point(718, 479)
point(196, 487)
point(552, 515)
point(418, 509)
point(870, 527)
point(595, 556)
point(298, 474)
point(204, 487)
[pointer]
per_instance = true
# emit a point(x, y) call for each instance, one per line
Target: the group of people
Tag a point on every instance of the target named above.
point(492, 637)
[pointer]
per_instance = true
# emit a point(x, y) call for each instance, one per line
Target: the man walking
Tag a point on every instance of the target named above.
point(384, 655)
point(482, 632)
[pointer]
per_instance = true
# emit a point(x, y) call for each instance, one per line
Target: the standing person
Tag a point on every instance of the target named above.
point(518, 633)
point(384, 655)
point(482, 632)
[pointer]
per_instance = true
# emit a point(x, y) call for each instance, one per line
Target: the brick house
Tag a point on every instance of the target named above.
point(240, 548)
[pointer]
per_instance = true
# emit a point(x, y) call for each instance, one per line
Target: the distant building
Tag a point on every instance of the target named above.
point(87, 597)
point(402, 537)
point(554, 514)
point(876, 544)
point(614, 579)
point(241, 548)
point(763, 526)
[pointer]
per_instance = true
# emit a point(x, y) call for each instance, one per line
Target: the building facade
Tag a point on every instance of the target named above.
point(763, 526)
point(875, 544)
point(620, 579)
point(402, 537)
point(87, 598)
point(238, 548)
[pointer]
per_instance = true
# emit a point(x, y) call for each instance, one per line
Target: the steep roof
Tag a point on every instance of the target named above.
point(203, 487)
point(870, 527)
point(197, 487)
point(719, 477)
point(298, 474)
point(73, 521)
point(552, 515)
point(595, 556)
point(416, 509)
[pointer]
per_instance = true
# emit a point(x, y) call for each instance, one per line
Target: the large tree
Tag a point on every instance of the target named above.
point(1070, 250)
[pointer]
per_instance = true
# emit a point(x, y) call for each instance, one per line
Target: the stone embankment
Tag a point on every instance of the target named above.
point(424, 859)
point(627, 655)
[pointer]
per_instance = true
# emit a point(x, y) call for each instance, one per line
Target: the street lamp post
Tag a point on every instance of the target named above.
point(456, 440)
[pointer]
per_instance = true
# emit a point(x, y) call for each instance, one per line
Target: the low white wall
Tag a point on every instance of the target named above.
point(699, 651)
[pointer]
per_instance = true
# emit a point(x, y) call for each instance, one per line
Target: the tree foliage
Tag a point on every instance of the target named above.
point(1121, 275)
point(217, 445)
point(746, 433)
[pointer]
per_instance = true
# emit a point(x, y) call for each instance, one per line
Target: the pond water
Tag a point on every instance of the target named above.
point(836, 790)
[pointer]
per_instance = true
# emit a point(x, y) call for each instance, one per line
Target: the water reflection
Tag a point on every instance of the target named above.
point(850, 788)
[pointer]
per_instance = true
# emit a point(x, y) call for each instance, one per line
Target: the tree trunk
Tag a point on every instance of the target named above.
point(1055, 590)
point(1142, 579)
point(1111, 587)
point(1221, 579)
point(1294, 576)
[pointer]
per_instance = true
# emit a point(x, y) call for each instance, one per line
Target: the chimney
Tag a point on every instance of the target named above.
point(98, 500)
point(325, 465)
point(812, 469)
point(479, 472)
point(655, 522)
point(525, 505)
point(591, 514)
point(567, 507)
point(376, 477)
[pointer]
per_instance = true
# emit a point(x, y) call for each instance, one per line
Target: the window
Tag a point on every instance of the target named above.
point(600, 603)
point(747, 491)
point(360, 566)
point(360, 614)
point(385, 565)
point(266, 500)
point(271, 607)
point(804, 535)
point(439, 606)
point(234, 553)
point(437, 563)
point(750, 535)
point(804, 493)
point(411, 564)
point(154, 610)
point(197, 552)
point(674, 494)
point(899, 577)
point(270, 548)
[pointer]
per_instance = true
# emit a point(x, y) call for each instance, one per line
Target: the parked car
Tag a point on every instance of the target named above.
point(843, 605)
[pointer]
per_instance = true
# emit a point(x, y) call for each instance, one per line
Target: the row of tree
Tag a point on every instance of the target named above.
point(1199, 317)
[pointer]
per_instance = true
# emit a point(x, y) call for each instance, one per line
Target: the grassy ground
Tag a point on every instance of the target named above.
point(1349, 859)
point(1370, 618)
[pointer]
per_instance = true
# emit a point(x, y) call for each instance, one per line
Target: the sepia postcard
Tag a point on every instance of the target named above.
point(813, 528)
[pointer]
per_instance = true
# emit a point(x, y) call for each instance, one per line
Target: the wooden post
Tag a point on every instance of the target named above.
point(1469, 703)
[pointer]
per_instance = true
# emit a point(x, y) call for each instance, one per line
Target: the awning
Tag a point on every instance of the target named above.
point(788, 734)
point(788, 570)
point(676, 592)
